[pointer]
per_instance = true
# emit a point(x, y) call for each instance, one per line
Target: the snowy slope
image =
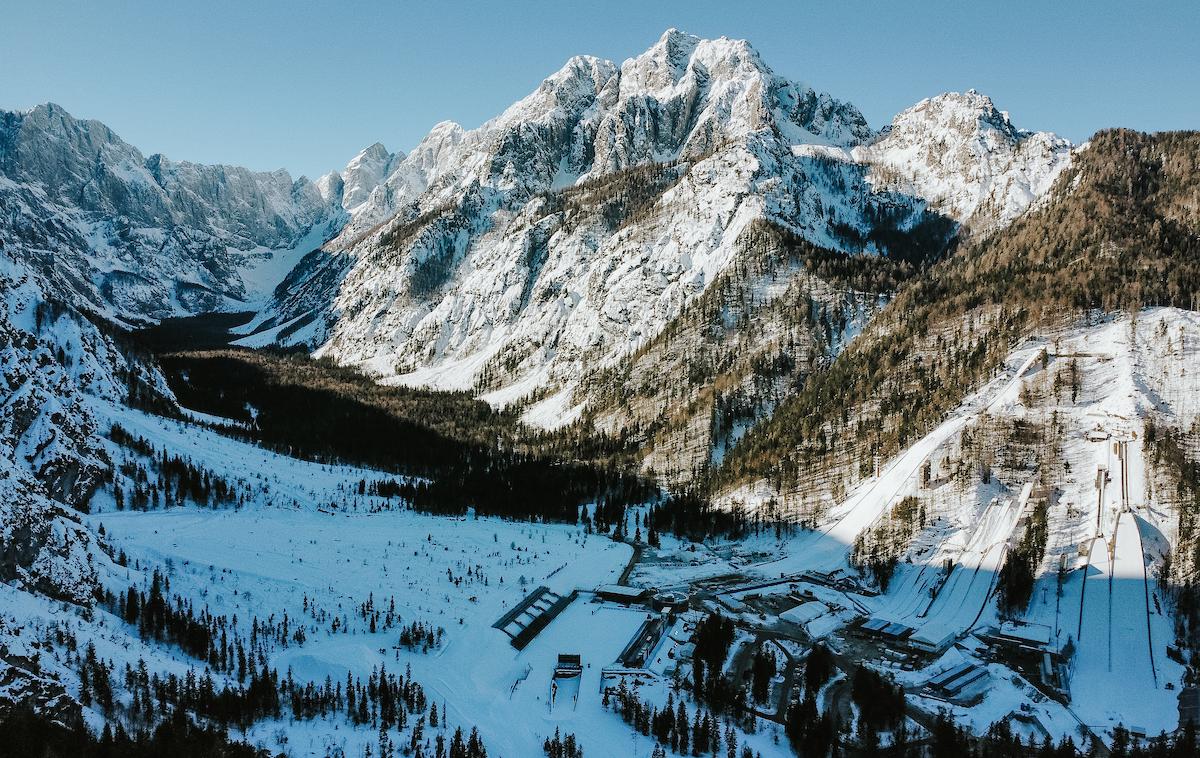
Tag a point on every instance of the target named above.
point(305, 544)
point(1108, 540)
point(52, 360)
point(136, 237)
point(1097, 590)
point(966, 158)
point(515, 258)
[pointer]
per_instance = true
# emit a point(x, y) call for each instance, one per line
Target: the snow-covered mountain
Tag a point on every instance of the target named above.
point(137, 238)
point(364, 173)
point(53, 363)
point(541, 257)
point(991, 442)
point(560, 237)
point(966, 158)
point(548, 244)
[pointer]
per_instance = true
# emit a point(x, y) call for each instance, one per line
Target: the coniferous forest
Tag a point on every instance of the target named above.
point(951, 326)
point(678, 409)
point(465, 454)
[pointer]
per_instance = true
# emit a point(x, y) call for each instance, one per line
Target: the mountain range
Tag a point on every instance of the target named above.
point(682, 274)
point(536, 259)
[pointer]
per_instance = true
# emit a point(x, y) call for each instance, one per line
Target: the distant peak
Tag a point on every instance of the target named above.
point(673, 35)
point(581, 66)
point(676, 44)
point(972, 96)
point(669, 59)
point(49, 107)
point(50, 110)
point(375, 155)
point(958, 108)
point(584, 62)
point(446, 127)
point(973, 99)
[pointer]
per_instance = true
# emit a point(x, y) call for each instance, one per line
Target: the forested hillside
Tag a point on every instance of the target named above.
point(782, 311)
point(473, 455)
point(1119, 231)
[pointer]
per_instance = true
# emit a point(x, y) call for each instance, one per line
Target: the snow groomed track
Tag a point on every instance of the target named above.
point(1114, 642)
point(1115, 677)
point(937, 604)
point(829, 547)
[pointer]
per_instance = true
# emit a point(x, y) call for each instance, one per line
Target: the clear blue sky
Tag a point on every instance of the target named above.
point(305, 85)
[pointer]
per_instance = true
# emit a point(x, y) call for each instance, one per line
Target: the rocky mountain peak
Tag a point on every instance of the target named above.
point(965, 156)
point(663, 64)
point(331, 186)
point(681, 98)
point(365, 172)
point(140, 237)
point(966, 113)
point(570, 228)
point(575, 225)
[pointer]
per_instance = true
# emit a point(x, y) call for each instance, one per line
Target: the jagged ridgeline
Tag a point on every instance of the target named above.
point(604, 237)
point(1118, 232)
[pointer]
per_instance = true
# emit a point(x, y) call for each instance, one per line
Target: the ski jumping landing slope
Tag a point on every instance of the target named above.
point(829, 548)
point(1115, 680)
point(937, 604)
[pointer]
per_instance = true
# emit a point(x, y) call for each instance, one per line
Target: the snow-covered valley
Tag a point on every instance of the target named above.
point(338, 574)
point(674, 410)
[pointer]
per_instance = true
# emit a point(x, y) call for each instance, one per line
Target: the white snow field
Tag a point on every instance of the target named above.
point(308, 545)
point(264, 560)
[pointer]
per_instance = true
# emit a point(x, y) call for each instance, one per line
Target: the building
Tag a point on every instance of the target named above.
point(951, 682)
point(672, 602)
point(731, 603)
point(1028, 635)
point(617, 593)
point(684, 652)
point(933, 640)
point(805, 612)
point(569, 664)
point(1189, 705)
point(887, 630)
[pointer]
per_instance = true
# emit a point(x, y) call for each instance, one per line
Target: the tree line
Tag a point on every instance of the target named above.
point(466, 455)
point(1118, 233)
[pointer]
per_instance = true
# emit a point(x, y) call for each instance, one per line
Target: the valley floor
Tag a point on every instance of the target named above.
point(345, 572)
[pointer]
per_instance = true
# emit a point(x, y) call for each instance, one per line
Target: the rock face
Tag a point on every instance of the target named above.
point(363, 174)
point(560, 254)
point(554, 242)
point(51, 457)
point(966, 158)
point(543, 232)
point(55, 361)
point(23, 681)
point(138, 238)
